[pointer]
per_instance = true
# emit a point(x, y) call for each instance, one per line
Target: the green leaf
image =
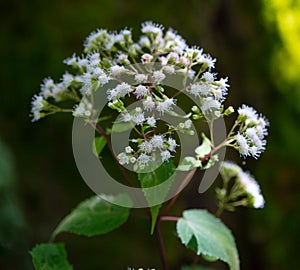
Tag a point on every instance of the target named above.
point(98, 145)
point(121, 127)
point(95, 216)
point(172, 113)
point(189, 163)
point(207, 235)
point(204, 148)
point(50, 256)
point(154, 178)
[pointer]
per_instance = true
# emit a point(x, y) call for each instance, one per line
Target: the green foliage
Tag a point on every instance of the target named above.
point(95, 216)
point(207, 235)
point(98, 145)
point(154, 178)
point(188, 163)
point(204, 148)
point(50, 256)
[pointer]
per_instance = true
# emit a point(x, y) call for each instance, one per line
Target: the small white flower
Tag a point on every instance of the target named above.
point(165, 155)
point(144, 41)
point(248, 112)
point(172, 144)
point(169, 69)
point(165, 105)
point(138, 118)
point(208, 60)
point(157, 141)
point(141, 78)
point(208, 77)
point(146, 58)
point(243, 145)
point(127, 117)
point(152, 28)
point(223, 83)
point(128, 150)
point(141, 91)
point(148, 104)
point(71, 61)
point(158, 76)
point(151, 121)
point(173, 57)
point(67, 79)
point(83, 109)
point(146, 147)
point(209, 104)
point(200, 89)
point(184, 61)
point(37, 104)
point(123, 158)
point(47, 87)
point(230, 169)
point(94, 60)
point(188, 124)
point(117, 70)
point(252, 188)
point(143, 159)
point(121, 90)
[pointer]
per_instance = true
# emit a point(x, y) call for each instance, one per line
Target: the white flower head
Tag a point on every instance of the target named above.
point(146, 58)
point(158, 76)
point(207, 60)
point(172, 144)
point(165, 155)
point(141, 78)
point(141, 91)
point(252, 188)
point(152, 28)
point(121, 90)
point(157, 141)
point(146, 147)
point(248, 113)
point(117, 70)
point(143, 159)
point(123, 158)
point(46, 87)
point(138, 118)
point(210, 104)
point(165, 105)
point(209, 77)
point(148, 104)
point(242, 145)
point(151, 121)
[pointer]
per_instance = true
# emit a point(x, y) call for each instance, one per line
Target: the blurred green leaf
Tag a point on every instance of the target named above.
point(154, 178)
point(95, 216)
point(204, 148)
point(188, 163)
point(98, 145)
point(207, 235)
point(50, 256)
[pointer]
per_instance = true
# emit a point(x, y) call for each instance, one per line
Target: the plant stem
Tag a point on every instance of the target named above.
point(169, 218)
point(184, 182)
point(161, 246)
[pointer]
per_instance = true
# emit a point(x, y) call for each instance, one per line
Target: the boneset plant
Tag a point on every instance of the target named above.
point(164, 99)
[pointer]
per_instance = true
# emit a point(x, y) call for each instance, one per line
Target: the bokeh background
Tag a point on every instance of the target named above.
point(257, 46)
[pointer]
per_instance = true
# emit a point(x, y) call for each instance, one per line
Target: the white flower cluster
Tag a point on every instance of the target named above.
point(245, 184)
point(148, 150)
point(250, 140)
point(137, 72)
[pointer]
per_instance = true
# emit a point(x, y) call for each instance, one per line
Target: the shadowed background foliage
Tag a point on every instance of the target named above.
point(256, 44)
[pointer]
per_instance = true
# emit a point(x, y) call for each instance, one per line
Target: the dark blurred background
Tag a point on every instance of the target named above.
point(256, 44)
